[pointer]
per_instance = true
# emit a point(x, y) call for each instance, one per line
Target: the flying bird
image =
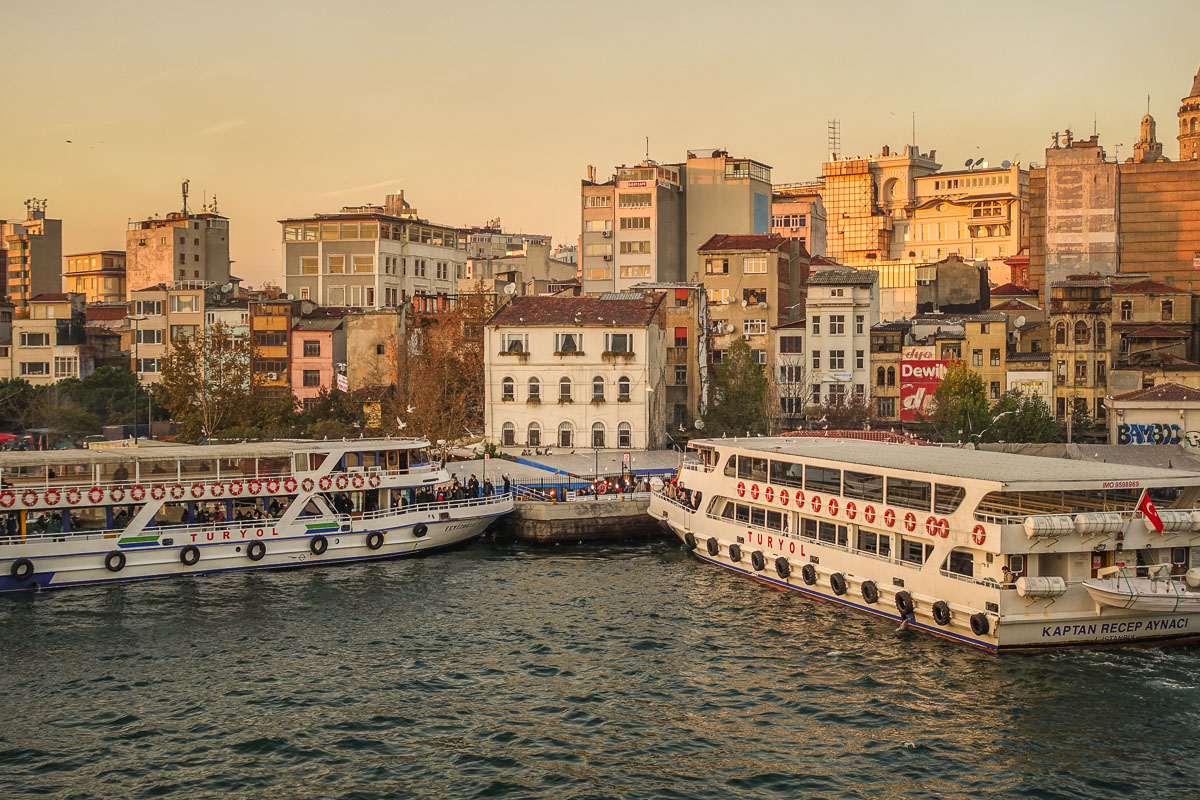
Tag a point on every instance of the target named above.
point(411, 409)
point(70, 142)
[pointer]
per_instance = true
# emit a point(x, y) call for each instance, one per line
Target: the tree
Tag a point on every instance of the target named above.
point(849, 414)
point(1081, 418)
point(787, 392)
point(18, 404)
point(737, 395)
point(960, 406)
point(206, 382)
point(1023, 418)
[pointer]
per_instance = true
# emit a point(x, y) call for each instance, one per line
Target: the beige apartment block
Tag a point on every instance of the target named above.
point(842, 305)
point(30, 255)
point(1080, 313)
point(753, 284)
point(686, 323)
point(181, 246)
point(725, 194)
point(798, 213)
point(49, 341)
point(99, 275)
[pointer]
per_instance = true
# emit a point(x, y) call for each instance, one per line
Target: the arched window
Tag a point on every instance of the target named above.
point(508, 389)
point(564, 389)
point(623, 388)
point(1193, 126)
point(598, 434)
point(1082, 335)
point(891, 376)
point(879, 373)
point(598, 388)
point(508, 435)
point(533, 435)
point(624, 435)
point(1101, 335)
point(535, 389)
point(1060, 333)
point(566, 435)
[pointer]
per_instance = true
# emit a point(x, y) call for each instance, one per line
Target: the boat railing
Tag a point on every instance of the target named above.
point(446, 505)
point(675, 501)
point(693, 465)
point(78, 482)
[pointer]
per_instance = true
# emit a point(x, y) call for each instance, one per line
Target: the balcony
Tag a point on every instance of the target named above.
point(677, 355)
point(612, 356)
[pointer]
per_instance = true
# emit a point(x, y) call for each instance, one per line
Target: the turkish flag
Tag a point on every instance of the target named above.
point(1149, 511)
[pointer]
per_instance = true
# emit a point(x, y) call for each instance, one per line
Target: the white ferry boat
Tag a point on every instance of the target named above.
point(75, 517)
point(1000, 551)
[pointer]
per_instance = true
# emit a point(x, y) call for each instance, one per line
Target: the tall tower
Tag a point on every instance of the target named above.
point(1189, 124)
point(1148, 148)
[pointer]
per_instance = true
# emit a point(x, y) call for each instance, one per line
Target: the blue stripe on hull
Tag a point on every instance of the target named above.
point(45, 580)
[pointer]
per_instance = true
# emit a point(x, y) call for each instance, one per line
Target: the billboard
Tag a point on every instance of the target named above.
point(1031, 382)
point(920, 374)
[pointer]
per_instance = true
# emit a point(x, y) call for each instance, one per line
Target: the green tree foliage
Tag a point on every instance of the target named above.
point(737, 395)
point(206, 383)
point(960, 407)
point(1023, 418)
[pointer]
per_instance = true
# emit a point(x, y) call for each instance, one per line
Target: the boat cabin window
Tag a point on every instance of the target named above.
point(731, 467)
point(909, 494)
point(753, 468)
point(960, 562)
point(914, 551)
point(758, 517)
point(742, 514)
point(1016, 565)
point(273, 466)
point(832, 534)
point(352, 460)
point(301, 461)
point(1179, 555)
point(863, 486)
point(808, 528)
point(776, 521)
point(947, 499)
point(1019, 504)
point(315, 460)
point(787, 474)
point(158, 469)
point(878, 543)
point(823, 479)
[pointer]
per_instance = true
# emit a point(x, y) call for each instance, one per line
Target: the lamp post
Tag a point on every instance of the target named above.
point(136, 375)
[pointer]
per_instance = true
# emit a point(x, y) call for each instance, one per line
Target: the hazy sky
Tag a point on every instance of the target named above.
point(493, 109)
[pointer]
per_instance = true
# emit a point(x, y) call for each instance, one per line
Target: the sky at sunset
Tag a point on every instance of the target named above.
point(481, 110)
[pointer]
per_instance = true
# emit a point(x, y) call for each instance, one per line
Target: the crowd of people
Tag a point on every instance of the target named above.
point(450, 492)
point(675, 491)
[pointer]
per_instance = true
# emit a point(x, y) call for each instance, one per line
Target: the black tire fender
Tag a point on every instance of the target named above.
point(809, 573)
point(980, 624)
point(713, 546)
point(114, 561)
point(21, 569)
point(758, 561)
point(735, 553)
point(689, 539)
point(255, 551)
point(189, 556)
point(318, 545)
point(419, 530)
point(941, 612)
point(783, 567)
point(870, 592)
point(904, 603)
point(375, 540)
point(837, 582)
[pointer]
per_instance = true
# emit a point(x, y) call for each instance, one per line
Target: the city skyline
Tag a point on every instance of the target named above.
point(230, 102)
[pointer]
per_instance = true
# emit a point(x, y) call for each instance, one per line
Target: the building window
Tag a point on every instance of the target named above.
point(634, 223)
point(891, 376)
point(681, 337)
point(815, 325)
point(860, 359)
point(312, 377)
point(995, 390)
point(598, 388)
point(858, 324)
point(514, 342)
point(623, 388)
point(185, 303)
point(716, 266)
point(837, 359)
point(147, 308)
point(624, 435)
point(66, 367)
point(639, 247)
point(1060, 334)
point(791, 344)
point(816, 394)
point(681, 375)
point(995, 357)
point(508, 389)
point(147, 365)
point(753, 327)
point(566, 435)
point(594, 225)
point(816, 359)
point(1101, 373)
point(35, 340)
point(635, 270)
point(1101, 336)
point(598, 434)
point(1167, 309)
point(759, 356)
point(717, 296)
point(886, 407)
point(533, 435)
point(1126, 310)
point(312, 348)
point(535, 389)
point(564, 389)
point(754, 266)
point(879, 379)
point(977, 358)
point(618, 343)
point(1081, 371)
point(837, 324)
point(567, 343)
point(1082, 334)
point(597, 201)
point(637, 200)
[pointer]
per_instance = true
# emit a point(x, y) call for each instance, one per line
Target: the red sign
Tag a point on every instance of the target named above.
point(919, 379)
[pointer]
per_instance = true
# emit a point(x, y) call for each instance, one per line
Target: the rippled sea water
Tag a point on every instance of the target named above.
point(586, 672)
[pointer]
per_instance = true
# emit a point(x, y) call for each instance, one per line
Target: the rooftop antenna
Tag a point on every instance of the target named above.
point(647, 148)
point(834, 138)
point(914, 129)
point(185, 192)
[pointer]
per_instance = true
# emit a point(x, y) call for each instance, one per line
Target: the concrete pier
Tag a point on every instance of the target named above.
point(583, 521)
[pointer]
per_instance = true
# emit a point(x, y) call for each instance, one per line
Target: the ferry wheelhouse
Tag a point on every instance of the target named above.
point(989, 549)
point(74, 517)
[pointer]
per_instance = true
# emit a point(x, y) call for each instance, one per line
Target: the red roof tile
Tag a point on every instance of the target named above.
point(1157, 332)
point(49, 297)
point(1146, 287)
point(1163, 393)
point(1014, 305)
point(1012, 290)
point(594, 312)
point(754, 241)
point(107, 312)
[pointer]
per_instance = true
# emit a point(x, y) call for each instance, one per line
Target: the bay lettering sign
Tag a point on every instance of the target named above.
point(1155, 433)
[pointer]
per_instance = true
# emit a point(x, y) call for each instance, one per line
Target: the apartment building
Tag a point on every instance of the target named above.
point(159, 315)
point(30, 255)
point(271, 323)
point(577, 373)
point(181, 246)
point(842, 305)
point(686, 311)
point(789, 381)
point(318, 354)
point(98, 275)
point(632, 228)
point(798, 213)
point(1080, 313)
point(48, 340)
point(888, 341)
point(1150, 319)
point(725, 194)
point(372, 256)
point(753, 284)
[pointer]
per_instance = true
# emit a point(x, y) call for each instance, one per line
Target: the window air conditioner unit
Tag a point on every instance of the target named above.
point(606, 234)
point(608, 258)
point(272, 376)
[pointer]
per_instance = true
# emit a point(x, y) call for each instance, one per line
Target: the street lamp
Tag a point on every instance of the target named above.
point(136, 375)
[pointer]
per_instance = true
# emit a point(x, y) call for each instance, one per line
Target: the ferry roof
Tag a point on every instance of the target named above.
point(1014, 472)
point(159, 452)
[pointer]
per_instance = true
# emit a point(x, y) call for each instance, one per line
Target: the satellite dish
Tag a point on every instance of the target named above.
point(967, 163)
point(743, 304)
point(1019, 321)
point(699, 424)
point(1006, 163)
point(978, 161)
point(227, 287)
point(510, 288)
point(762, 305)
point(729, 329)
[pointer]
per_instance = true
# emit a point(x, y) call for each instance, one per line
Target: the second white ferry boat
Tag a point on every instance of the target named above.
point(74, 517)
point(995, 550)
